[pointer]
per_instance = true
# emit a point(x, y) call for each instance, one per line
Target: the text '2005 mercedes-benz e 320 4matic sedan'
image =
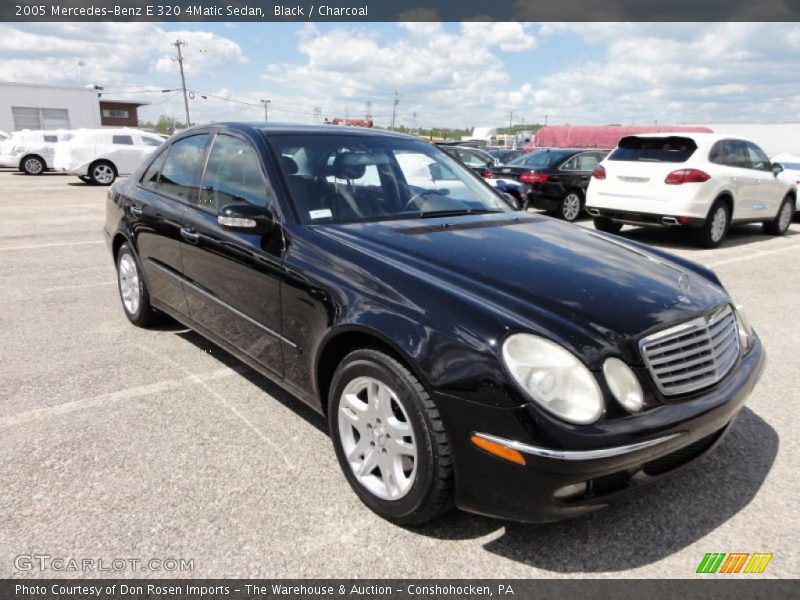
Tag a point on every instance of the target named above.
point(371, 275)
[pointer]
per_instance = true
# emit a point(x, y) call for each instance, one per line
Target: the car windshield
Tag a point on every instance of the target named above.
point(540, 159)
point(356, 178)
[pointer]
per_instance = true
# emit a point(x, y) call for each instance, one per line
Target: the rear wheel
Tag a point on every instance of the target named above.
point(133, 290)
point(713, 231)
point(571, 206)
point(606, 225)
point(32, 165)
point(389, 439)
point(102, 173)
point(780, 224)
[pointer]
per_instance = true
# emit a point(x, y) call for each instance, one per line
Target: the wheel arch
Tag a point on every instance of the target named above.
point(107, 161)
point(342, 341)
point(727, 197)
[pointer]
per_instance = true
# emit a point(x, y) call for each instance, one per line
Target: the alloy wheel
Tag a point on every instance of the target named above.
point(33, 166)
point(571, 206)
point(103, 174)
point(785, 217)
point(377, 438)
point(719, 223)
point(129, 284)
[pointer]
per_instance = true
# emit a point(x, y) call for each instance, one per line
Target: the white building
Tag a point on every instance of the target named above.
point(488, 135)
point(773, 138)
point(40, 106)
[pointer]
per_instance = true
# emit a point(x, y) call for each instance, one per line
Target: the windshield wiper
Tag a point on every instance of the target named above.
point(456, 212)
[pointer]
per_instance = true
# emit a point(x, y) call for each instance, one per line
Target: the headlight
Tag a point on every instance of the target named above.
point(553, 378)
point(623, 384)
point(744, 329)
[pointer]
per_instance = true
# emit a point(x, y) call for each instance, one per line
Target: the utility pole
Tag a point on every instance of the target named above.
point(511, 119)
point(266, 104)
point(178, 44)
point(394, 108)
point(368, 111)
point(317, 113)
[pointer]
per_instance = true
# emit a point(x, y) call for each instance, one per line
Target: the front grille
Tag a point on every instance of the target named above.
point(692, 355)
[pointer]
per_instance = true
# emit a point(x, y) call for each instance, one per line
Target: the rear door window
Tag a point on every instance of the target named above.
point(670, 149)
point(52, 139)
point(731, 153)
point(124, 140)
point(181, 173)
point(153, 172)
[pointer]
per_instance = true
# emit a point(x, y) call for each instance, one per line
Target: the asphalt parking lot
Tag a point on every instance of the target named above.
point(116, 442)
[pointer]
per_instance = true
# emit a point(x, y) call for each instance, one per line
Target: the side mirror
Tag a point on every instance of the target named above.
point(777, 168)
point(512, 200)
point(246, 218)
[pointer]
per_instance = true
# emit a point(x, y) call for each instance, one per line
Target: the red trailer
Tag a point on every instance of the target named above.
point(598, 136)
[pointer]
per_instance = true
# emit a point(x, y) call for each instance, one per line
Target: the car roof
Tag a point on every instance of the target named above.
point(276, 128)
point(698, 137)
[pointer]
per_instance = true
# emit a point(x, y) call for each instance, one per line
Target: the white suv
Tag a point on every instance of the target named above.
point(98, 156)
point(700, 180)
point(30, 150)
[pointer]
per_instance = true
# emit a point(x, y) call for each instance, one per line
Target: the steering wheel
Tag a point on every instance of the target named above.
point(423, 194)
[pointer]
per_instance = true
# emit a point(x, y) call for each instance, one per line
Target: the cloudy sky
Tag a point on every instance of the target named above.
point(457, 75)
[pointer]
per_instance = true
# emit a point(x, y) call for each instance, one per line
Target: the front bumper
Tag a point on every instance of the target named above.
point(586, 471)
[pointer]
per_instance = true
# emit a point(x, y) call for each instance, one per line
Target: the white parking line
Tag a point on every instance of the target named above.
point(752, 255)
point(39, 414)
point(278, 450)
point(80, 286)
point(61, 245)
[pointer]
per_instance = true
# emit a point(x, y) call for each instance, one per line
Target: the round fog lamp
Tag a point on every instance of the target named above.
point(623, 384)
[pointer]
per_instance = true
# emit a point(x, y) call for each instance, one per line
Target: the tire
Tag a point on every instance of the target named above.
point(32, 165)
point(713, 231)
point(372, 434)
point(571, 206)
point(606, 225)
point(133, 292)
point(780, 224)
point(102, 172)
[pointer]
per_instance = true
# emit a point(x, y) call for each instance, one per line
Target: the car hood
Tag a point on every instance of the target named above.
point(541, 274)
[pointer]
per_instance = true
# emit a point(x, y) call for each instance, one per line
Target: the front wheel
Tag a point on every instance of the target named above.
point(33, 165)
point(389, 439)
point(606, 225)
point(780, 224)
point(713, 231)
point(571, 206)
point(102, 173)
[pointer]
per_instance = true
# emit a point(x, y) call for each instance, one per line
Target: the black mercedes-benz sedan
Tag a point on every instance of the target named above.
point(555, 179)
point(368, 273)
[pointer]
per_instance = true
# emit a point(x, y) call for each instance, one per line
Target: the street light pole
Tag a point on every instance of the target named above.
point(178, 44)
point(266, 109)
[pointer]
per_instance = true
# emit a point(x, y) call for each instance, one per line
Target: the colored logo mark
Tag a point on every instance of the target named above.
point(734, 562)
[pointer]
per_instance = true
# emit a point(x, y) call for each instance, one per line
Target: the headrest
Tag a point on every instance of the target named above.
point(289, 165)
point(347, 167)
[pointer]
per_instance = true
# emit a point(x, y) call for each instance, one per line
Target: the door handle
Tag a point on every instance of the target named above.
point(135, 210)
point(190, 235)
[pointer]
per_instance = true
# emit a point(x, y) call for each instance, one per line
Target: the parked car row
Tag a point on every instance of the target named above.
point(96, 156)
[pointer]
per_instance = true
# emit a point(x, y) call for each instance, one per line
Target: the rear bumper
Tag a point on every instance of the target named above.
point(562, 482)
point(645, 219)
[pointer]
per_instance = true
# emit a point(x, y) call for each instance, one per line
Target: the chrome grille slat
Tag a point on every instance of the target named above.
point(692, 355)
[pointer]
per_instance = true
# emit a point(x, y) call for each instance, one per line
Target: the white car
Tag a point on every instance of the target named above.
point(704, 181)
point(29, 150)
point(98, 156)
point(790, 163)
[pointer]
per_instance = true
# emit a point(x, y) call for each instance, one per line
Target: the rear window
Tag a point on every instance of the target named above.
point(671, 149)
point(541, 159)
point(125, 140)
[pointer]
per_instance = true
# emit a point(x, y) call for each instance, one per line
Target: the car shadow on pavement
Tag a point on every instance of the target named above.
point(273, 390)
point(680, 237)
point(644, 528)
